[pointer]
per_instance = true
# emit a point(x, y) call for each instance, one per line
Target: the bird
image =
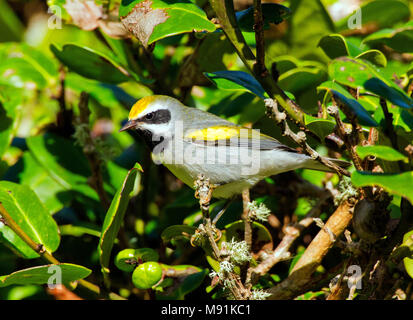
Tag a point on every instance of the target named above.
point(191, 142)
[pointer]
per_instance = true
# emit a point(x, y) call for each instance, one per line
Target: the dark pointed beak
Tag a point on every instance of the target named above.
point(128, 125)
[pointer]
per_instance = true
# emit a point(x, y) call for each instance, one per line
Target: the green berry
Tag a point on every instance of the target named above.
point(126, 260)
point(147, 275)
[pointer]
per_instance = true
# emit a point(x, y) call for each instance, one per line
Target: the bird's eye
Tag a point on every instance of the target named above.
point(149, 116)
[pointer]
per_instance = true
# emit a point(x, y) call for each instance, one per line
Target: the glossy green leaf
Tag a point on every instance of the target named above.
point(177, 232)
point(78, 231)
point(395, 183)
point(152, 20)
point(408, 261)
point(189, 278)
point(285, 63)
point(45, 274)
point(91, 64)
point(350, 72)
point(52, 194)
point(374, 56)
point(382, 13)
point(395, 96)
point(361, 75)
point(339, 93)
point(26, 65)
point(237, 81)
point(334, 46)
point(64, 162)
point(301, 78)
point(382, 152)
point(321, 127)
point(271, 12)
point(10, 100)
point(114, 218)
point(260, 232)
point(19, 73)
point(400, 39)
point(32, 217)
point(11, 27)
point(308, 23)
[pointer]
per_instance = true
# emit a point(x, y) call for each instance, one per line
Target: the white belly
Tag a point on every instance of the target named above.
point(231, 169)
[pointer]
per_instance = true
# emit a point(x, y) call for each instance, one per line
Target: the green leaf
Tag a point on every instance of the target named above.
point(301, 78)
point(152, 20)
point(334, 46)
point(382, 13)
point(10, 100)
point(361, 75)
point(400, 39)
point(52, 194)
point(285, 63)
point(20, 73)
point(408, 262)
point(237, 81)
point(64, 162)
point(395, 183)
point(187, 281)
point(177, 232)
point(338, 92)
point(114, 218)
point(382, 152)
point(271, 12)
point(26, 65)
point(29, 213)
point(350, 72)
point(11, 27)
point(91, 64)
point(309, 22)
point(43, 274)
point(78, 231)
point(261, 235)
point(395, 96)
point(321, 127)
point(374, 56)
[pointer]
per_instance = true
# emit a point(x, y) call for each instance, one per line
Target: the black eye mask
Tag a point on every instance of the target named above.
point(156, 117)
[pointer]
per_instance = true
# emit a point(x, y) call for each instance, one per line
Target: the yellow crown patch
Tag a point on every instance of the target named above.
point(139, 106)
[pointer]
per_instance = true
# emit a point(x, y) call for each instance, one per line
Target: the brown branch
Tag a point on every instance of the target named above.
point(259, 40)
point(89, 149)
point(246, 217)
point(203, 191)
point(291, 234)
point(302, 272)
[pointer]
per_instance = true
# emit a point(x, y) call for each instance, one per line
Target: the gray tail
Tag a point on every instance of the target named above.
point(316, 165)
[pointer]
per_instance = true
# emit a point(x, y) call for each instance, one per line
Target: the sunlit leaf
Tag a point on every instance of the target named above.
point(42, 274)
point(152, 20)
point(237, 81)
point(32, 217)
point(382, 152)
point(114, 218)
point(395, 183)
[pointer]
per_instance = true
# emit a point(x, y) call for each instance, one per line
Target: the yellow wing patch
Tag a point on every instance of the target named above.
point(214, 133)
point(140, 106)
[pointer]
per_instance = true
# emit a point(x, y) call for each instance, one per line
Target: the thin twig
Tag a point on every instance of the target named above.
point(203, 191)
point(90, 151)
point(259, 39)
